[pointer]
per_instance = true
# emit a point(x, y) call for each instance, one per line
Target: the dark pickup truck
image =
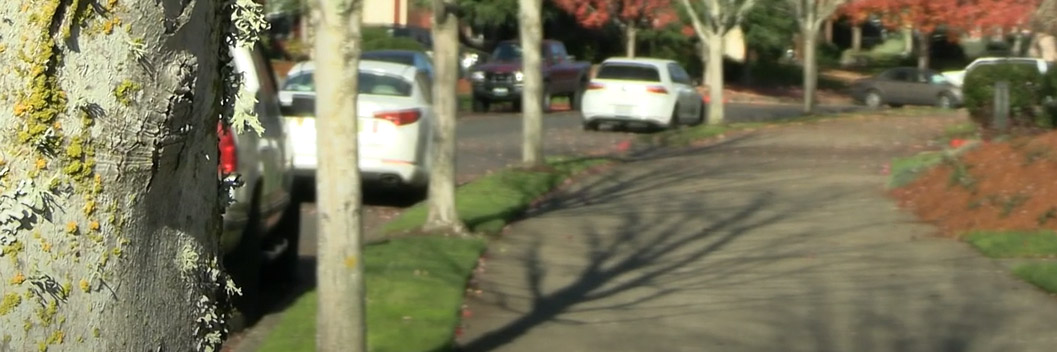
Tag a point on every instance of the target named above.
point(500, 79)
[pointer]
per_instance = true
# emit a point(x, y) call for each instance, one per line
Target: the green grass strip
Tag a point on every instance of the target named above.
point(1043, 275)
point(488, 203)
point(415, 288)
point(1014, 244)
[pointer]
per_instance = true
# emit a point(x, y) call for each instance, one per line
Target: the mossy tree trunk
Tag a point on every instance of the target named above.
point(109, 211)
point(340, 320)
point(443, 216)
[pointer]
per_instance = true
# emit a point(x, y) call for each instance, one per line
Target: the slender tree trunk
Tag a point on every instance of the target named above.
point(829, 31)
point(442, 213)
point(856, 37)
point(714, 76)
point(631, 34)
point(109, 237)
point(532, 97)
point(924, 50)
point(340, 320)
point(908, 40)
point(810, 36)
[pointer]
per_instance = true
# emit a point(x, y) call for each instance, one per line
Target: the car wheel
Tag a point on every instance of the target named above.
point(701, 115)
point(590, 126)
point(576, 99)
point(244, 265)
point(873, 99)
point(945, 101)
point(480, 104)
point(673, 122)
point(546, 101)
point(289, 230)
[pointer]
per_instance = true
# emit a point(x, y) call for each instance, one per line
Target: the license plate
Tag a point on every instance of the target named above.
point(622, 109)
point(500, 91)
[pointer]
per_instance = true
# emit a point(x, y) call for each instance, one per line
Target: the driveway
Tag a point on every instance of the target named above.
point(776, 240)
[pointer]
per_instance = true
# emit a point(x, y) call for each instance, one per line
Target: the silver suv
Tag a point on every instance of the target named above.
point(261, 228)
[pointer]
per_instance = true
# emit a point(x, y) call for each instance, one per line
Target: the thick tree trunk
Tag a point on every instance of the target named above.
point(856, 37)
point(340, 320)
point(442, 213)
point(109, 182)
point(631, 34)
point(810, 36)
point(714, 77)
point(532, 97)
point(924, 50)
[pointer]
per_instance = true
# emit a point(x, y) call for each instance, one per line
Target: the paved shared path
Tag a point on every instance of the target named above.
point(776, 240)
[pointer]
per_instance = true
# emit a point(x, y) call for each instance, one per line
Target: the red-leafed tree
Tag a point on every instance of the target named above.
point(629, 15)
point(1001, 17)
point(922, 18)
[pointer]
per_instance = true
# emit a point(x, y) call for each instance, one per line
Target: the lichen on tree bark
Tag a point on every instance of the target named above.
point(109, 186)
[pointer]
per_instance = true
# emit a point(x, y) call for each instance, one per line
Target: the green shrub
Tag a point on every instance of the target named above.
point(1048, 95)
point(375, 38)
point(1024, 93)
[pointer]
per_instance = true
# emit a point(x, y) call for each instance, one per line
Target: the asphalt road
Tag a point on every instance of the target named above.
point(486, 142)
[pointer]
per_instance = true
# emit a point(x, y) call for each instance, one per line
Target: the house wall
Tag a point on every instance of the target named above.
point(385, 12)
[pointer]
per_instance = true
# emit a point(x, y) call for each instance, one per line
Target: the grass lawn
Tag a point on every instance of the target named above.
point(1043, 275)
point(1014, 244)
point(488, 203)
point(415, 288)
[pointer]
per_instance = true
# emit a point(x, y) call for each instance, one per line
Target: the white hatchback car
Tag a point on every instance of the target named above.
point(395, 114)
point(641, 92)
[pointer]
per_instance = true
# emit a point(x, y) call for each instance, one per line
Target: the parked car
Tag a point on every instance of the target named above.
point(407, 57)
point(500, 79)
point(957, 78)
point(395, 113)
point(652, 92)
point(261, 229)
point(906, 86)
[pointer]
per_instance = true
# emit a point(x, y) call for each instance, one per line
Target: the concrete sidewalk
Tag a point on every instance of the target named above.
point(779, 240)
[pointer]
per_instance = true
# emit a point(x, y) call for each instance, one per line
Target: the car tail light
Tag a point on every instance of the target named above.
point(401, 117)
point(595, 85)
point(229, 160)
point(657, 89)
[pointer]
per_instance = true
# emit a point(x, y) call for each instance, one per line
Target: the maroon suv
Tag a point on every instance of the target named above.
point(500, 79)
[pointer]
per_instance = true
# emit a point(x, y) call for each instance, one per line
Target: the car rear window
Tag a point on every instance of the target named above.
point(629, 72)
point(389, 57)
point(370, 83)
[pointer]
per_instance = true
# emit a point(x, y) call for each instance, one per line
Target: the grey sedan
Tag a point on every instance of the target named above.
point(907, 86)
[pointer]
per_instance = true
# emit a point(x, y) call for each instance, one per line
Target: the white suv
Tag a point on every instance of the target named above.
point(958, 77)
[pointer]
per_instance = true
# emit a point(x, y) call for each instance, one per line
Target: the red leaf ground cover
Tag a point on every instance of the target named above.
point(1010, 185)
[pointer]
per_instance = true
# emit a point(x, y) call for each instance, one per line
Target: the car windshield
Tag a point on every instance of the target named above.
point(370, 83)
point(507, 52)
point(629, 72)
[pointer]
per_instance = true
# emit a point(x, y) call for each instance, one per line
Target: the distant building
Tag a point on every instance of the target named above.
point(394, 13)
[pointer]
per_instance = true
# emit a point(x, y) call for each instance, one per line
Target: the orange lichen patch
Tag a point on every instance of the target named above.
point(998, 186)
point(18, 279)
